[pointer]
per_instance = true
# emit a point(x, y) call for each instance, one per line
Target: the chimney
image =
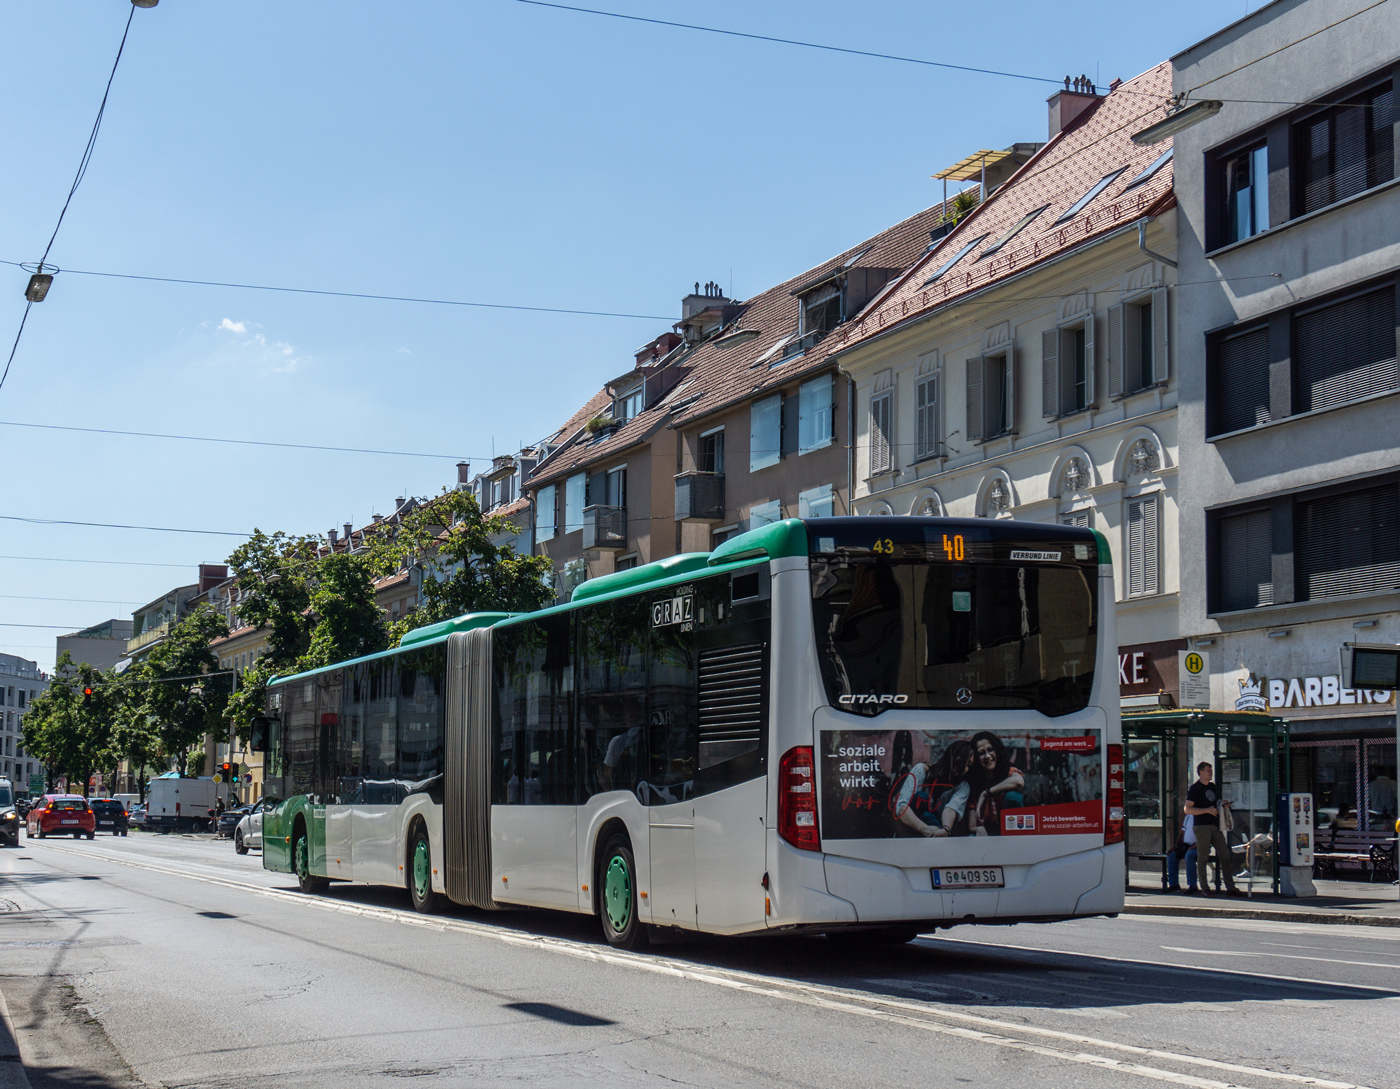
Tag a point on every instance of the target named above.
point(349, 534)
point(1065, 106)
point(699, 300)
point(463, 475)
point(331, 536)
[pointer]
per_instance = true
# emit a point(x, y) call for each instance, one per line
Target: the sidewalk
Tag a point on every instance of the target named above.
point(1354, 902)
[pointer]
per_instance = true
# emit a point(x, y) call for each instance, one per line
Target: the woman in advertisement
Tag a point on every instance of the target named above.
point(942, 790)
point(997, 783)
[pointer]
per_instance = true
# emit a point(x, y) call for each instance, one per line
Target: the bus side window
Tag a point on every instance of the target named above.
point(674, 745)
point(350, 769)
point(420, 722)
point(381, 732)
point(612, 700)
point(533, 667)
point(328, 690)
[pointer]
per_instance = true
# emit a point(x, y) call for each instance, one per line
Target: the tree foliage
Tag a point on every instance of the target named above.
point(463, 571)
point(181, 704)
point(71, 734)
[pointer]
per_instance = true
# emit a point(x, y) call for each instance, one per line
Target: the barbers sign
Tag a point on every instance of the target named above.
point(1318, 692)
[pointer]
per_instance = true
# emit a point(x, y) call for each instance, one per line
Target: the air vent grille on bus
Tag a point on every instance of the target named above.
point(731, 693)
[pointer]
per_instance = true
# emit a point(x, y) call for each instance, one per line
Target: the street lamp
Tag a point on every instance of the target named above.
point(144, 3)
point(1183, 117)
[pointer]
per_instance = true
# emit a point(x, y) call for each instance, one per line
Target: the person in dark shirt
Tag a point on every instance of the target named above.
point(1203, 802)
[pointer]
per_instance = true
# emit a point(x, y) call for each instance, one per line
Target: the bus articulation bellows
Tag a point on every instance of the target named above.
point(839, 724)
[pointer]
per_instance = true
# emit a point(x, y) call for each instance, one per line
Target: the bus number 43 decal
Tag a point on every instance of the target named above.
point(675, 610)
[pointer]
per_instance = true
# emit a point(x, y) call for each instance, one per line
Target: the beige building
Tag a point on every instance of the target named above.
point(1023, 368)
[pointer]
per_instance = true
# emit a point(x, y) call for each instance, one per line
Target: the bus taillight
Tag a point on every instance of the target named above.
point(797, 799)
point(1114, 825)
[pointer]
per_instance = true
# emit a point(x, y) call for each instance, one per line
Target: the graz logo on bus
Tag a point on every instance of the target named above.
point(851, 701)
point(674, 610)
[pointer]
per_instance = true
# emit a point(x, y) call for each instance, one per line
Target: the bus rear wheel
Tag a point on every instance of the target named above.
point(617, 908)
point(420, 874)
point(307, 881)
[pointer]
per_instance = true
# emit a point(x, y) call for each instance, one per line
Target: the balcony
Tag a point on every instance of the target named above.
point(147, 637)
point(700, 497)
point(605, 528)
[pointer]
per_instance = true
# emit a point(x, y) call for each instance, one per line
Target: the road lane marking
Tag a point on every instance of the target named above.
point(1327, 949)
point(908, 1014)
point(1281, 956)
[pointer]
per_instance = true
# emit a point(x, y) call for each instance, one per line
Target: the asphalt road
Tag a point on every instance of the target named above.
point(171, 961)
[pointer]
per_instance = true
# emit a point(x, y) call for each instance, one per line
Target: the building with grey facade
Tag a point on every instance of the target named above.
point(100, 646)
point(21, 681)
point(1289, 249)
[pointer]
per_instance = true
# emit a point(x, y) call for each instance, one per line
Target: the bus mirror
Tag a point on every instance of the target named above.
point(259, 730)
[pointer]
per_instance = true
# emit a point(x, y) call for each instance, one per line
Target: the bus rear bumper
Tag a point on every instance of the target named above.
point(1084, 883)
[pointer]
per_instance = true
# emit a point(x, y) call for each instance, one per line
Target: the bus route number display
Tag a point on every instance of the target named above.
point(954, 547)
point(674, 610)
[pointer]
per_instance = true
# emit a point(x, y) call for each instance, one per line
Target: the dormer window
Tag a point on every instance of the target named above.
point(629, 405)
point(821, 310)
point(966, 249)
point(1084, 201)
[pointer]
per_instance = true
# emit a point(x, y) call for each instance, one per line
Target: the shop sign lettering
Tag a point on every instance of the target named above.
point(1320, 692)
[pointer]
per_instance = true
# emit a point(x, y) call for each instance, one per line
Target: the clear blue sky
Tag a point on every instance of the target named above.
point(483, 150)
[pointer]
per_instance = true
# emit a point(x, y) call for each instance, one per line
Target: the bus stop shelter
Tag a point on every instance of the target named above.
point(1162, 748)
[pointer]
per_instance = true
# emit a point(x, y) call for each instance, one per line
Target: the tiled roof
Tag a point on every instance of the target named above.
point(722, 370)
point(1061, 173)
point(515, 507)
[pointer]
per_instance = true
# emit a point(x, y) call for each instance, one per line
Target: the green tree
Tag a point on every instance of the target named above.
point(462, 570)
point(72, 733)
point(348, 620)
point(185, 704)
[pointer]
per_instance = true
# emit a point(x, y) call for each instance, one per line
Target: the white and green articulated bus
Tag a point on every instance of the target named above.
point(872, 726)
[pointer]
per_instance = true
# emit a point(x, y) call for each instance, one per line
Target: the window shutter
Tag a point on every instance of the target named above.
point(1345, 350)
point(974, 398)
point(1246, 560)
point(1348, 544)
point(1090, 361)
point(880, 412)
point(1144, 544)
point(926, 418)
point(1240, 385)
point(1008, 419)
point(1160, 366)
point(1078, 518)
point(1115, 350)
point(1050, 373)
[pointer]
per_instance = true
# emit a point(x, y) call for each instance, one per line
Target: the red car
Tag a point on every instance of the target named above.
point(58, 814)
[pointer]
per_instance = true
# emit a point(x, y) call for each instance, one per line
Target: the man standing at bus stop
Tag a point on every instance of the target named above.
point(1203, 803)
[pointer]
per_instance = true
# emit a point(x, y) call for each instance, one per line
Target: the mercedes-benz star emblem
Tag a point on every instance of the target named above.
point(964, 695)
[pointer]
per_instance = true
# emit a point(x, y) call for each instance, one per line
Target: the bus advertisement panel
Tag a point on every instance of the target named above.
point(883, 784)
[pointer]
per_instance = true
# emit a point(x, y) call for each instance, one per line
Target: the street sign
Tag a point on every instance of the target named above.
point(36, 784)
point(218, 778)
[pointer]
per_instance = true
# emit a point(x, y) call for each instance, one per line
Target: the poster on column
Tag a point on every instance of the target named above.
point(887, 784)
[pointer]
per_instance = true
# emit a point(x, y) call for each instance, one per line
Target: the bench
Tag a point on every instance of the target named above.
point(1372, 850)
point(1149, 856)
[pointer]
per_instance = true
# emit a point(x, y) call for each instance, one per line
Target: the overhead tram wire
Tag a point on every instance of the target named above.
point(357, 294)
point(117, 525)
point(77, 180)
point(77, 559)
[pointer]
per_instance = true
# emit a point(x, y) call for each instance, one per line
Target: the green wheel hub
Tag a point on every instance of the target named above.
point(617, 893)
point(422, 870)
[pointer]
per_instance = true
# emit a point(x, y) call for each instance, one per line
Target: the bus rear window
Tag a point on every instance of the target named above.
point(914, 632)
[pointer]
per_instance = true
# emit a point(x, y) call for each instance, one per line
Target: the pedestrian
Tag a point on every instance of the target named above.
point(1185, 849)
point(1203, 802)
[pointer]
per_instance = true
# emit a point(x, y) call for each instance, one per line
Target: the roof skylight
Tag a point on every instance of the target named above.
point(1099, 186)
point(1152, 168)
point(1021, 225)
point(954, 259)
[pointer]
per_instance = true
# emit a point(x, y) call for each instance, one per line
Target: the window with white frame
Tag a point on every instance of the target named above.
point(1142, 529)
point(1137, 343)
point(817, 502)
point(927, 442)
point(764, 514)
point(545, 513)
point(628, 405)
point(991, 395)
point(1067, 368)
point(575, 493)
point(814, 414)
point(766, 432)
point(882, 432)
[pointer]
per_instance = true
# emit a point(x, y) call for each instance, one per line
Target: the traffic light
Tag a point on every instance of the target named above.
point(87, 695)
point(225, 767)
point(234, 778)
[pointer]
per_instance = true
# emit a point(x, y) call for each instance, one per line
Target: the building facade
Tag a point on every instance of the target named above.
point(21, 682)
point(1025, 367)
point(1290, 420)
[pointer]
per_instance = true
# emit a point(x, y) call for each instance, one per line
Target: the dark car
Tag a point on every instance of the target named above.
point(110, 816)
point(9, 816)
point(60, 814)
point(229, 818)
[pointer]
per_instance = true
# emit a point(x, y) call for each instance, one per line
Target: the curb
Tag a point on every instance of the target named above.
point(1266, 914)
point(12, 1075)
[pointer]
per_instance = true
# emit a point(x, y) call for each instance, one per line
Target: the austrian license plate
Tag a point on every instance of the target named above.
point(67, 822)
point(974, 877)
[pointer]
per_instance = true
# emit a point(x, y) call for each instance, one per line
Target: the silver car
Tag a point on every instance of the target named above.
point(247, 834)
